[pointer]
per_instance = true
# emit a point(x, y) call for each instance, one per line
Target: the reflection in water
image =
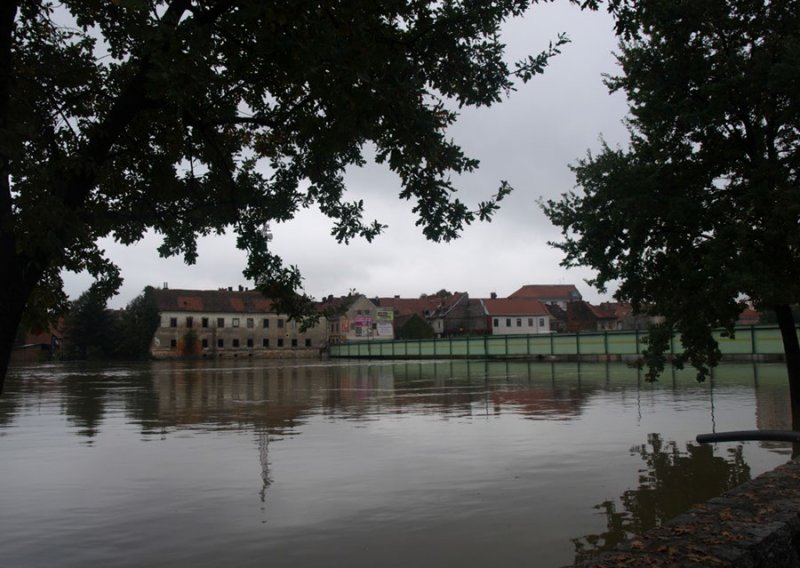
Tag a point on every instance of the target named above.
point(506, 459)
point(263, 458)
point(672, 482)
point(9, 405)
point(83, 401)
point(278, 399)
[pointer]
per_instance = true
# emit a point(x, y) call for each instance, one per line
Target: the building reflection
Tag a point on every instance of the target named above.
point(279, 398)
point(276, 397)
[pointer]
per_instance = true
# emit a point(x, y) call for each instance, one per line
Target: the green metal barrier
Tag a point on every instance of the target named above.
point(749, 340)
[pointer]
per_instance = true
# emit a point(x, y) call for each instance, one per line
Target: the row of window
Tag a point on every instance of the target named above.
point(235, 343)
point(235, 322)
point(519, 322)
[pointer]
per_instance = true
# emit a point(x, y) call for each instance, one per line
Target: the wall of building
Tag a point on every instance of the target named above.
point(360, 322)
point(185, 334)
point(465, 318)
point(519, 325)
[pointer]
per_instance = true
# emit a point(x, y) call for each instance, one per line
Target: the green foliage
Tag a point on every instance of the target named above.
point(414, 327)
point(769, 316)
point(87, 328)
point(91, 331)
point(189, 117)
point(701, 211)
point(135, 326)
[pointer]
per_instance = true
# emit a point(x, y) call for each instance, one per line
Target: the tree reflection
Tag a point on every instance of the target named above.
point(672, 482)
point(8, 409)
point(83, 402)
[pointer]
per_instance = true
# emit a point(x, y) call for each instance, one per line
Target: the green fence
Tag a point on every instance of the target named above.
point(751, 340)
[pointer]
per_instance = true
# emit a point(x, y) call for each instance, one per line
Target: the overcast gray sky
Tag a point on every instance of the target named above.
point(529, 140)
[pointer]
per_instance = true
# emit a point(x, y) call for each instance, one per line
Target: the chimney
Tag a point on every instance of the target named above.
point(241, 288)
point(397, 296)
point(494, 295)
point(230, 288)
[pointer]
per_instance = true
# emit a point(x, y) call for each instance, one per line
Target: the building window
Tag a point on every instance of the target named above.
point(530, 322)
point(541, 322)
point(173, 322)
point(220, 343)
point(220, 322)
point(508, 322)
point(189, 321)
point(519, 322)
point(266, 323)
point(173, 343)
point(308, 343)
point(235, 322)
point(265, 342)
point(236, 343)
point(250, 323)
point(205, 343)
point(280, 343)
point(496, 322)
point(204, 322)
point(294, 342)
point(249, 341)
point(280, 323)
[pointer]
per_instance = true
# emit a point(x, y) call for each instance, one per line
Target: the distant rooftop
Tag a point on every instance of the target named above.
point(514, 307)
point(222, 301)
point(549, 292)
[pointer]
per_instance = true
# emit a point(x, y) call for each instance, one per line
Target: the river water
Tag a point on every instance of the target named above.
point(306, 464)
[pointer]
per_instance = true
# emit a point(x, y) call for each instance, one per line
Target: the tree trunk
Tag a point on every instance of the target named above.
point(9, 323)
point(16, 286)
point(791, 350)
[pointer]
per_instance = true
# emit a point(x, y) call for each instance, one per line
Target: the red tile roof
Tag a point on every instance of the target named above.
point(602, 312)
point(514, 307)
point(619, 309)
point(419, 306)
point(566, 292)
point(749, 316)
point(222, 301)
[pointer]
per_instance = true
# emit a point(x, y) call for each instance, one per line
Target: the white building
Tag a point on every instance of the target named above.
point(516, 316)
point(228, 323)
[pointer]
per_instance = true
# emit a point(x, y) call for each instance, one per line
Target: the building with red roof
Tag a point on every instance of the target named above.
point(513, 316)
point(583, 316)
point(559, 294)
point(228, 323)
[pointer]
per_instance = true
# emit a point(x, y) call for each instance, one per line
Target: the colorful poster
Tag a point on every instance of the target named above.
point(384, 314)
point(385, 318)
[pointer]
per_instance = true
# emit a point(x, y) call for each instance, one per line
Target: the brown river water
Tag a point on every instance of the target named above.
point(312, 463)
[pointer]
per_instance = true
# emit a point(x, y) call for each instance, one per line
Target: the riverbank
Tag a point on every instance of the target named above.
point(755, 525)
